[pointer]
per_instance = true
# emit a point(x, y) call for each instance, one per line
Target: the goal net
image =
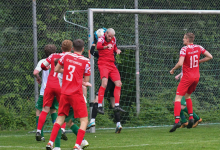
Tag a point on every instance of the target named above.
point(149, 55)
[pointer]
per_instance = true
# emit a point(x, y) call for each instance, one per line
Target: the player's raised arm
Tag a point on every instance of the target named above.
point(207, 58)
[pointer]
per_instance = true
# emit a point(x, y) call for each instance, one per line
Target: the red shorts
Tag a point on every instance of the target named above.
point(187, 85)
point(49, 94)
point(109, 71)
point(78, 103)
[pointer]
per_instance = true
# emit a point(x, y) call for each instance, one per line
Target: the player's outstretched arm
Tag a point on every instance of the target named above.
point(178, 65)
point(58, 68)
point(207, 58)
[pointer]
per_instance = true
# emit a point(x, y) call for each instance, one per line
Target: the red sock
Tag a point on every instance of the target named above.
point(177, 109)
point(101, 94)
point(64, 125)
point(41, 120)
point(56, 128)
point(80, 136)
point(117, 93)
point(189, 106)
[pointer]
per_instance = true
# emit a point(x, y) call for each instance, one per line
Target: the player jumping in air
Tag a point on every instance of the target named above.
point(110, 87)
point(189, 60)
point(106, 47)
point(75, 67)
point(184, 122)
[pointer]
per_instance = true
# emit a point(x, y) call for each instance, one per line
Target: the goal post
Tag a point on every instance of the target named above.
point(147, 93)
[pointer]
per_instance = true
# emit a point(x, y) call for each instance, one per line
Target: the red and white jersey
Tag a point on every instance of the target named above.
point(106, 55)
point(75, 66)
point(52, 80)
point(191, 52)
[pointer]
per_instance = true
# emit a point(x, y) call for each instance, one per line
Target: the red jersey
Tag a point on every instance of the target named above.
point(191, 52)
point(75, 66)
point(52, 80)
point(106, 55)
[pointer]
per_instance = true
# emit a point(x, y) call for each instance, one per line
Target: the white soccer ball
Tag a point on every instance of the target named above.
point(100, 32)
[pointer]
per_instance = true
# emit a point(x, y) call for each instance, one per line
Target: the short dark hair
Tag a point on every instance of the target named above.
point(50, 49)
point(67, 45)
point(190, 36)
point(78, 45)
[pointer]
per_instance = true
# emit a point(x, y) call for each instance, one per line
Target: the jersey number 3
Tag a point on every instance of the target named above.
point(72, 69)
point(194, 61)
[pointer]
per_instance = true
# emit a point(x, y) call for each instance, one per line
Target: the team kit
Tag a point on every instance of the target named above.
point(65, 78)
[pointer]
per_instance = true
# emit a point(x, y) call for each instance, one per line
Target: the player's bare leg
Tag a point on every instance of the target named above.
point(177, 109)
point(190, 110)
point(56, 127)
point(101, 95)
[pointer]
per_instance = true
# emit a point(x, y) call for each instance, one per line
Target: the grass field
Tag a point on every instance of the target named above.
point(205, 137)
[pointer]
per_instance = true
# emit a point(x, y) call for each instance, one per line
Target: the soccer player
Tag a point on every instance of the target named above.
point(106, 47)
point(48, 49)
point(184, 122)
point(75, 66)
point(110, 87)
point(189, 60)
point(53, 88)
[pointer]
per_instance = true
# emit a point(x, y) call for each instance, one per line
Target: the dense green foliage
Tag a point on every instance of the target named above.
point(160, 38)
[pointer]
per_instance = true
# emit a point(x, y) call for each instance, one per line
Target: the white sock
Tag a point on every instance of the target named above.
point(63, 129)
point(39, 131)
point(118, 123)
point(51, 143)
point(99, 105)
point(92, 120)
point(116, 104)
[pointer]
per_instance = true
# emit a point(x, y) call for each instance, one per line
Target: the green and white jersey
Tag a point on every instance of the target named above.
point(44, 77)
point(60, 77)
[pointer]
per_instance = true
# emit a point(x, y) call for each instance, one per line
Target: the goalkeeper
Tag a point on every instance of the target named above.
point(184, 122)
point(110, 87)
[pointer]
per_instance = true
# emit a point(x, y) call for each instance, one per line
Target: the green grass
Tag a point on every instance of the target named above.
point(205, 137)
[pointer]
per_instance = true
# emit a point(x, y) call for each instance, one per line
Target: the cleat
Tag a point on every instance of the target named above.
point(43, 139)
point(175, 126)
point(84, 144)
point(118, 129)
point(63, 136)
point(191, 122)
point(38, 136)
point(100, 110)
point(196, 122)
point(49, 146)
point(92, 124)
point(118, 108)
point(183, 125)
point(76, 148)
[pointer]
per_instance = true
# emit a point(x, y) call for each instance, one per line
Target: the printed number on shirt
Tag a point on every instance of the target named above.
point(70, 76)
point(194, 61)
